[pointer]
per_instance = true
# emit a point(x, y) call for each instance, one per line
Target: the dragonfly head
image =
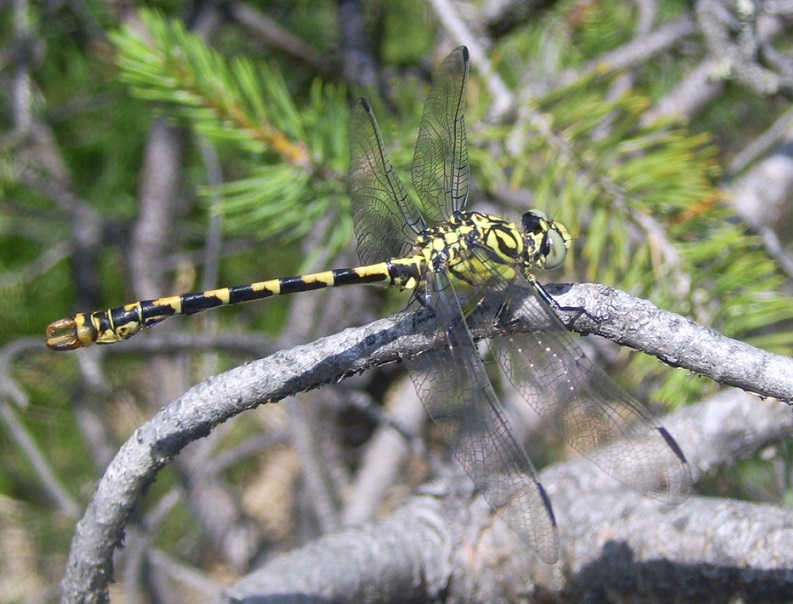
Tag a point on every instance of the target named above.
point(546, 241)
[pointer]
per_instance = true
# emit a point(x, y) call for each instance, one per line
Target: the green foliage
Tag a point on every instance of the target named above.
point(296, 156)
point(645, 215)
point(402, 21)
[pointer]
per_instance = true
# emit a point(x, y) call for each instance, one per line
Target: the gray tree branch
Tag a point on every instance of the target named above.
point(614, 541)
point(629, 321)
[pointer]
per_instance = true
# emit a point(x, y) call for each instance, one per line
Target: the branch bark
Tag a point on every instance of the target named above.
point(628, 320)
point(613, 540)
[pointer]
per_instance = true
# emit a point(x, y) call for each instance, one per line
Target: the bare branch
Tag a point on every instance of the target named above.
point(386, 454)
point(188, 577)
point(249, 344)
point(705, 84)
point(690, 96)
point(625, 319)
point(734, 35)
point(502, 16)
point(779, 132)
point(644, 47)
point(315, 464)
point(280, 38)
point(612, 539)
point(458, 30)
point(161, 179)
point(760, 196)
point(358, 63)
point(38, 461)
point(409, 555)
point(675, 340)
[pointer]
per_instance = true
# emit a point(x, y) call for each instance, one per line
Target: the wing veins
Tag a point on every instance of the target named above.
point(587, 409)
point(451, 383)
point(385, 219)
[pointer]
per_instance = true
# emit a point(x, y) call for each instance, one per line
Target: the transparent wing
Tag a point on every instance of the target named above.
point(386, 220)
point(459, 398)
point(440, 163)
point(586, 408)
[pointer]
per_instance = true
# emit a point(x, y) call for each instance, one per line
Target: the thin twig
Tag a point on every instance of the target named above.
point(458, 30)
point(280, 38)
point(38, 461)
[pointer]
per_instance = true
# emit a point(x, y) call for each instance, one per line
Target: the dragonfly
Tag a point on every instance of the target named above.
point(454, 260)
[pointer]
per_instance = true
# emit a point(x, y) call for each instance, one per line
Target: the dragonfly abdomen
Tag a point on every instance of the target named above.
point(123, 322)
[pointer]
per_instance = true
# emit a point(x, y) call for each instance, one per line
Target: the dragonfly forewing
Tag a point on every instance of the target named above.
point(452, 384)
point(440, 163)
point(385, 218)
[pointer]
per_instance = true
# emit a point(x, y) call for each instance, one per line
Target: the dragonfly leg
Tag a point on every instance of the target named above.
point(553, 303)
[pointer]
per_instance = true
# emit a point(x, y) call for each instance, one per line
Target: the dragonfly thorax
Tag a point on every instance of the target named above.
point(472, 247)
point(475, 248)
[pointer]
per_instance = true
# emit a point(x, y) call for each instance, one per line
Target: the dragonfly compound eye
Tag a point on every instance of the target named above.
point(554, 248)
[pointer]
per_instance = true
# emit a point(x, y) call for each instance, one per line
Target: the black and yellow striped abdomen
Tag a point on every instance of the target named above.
point(122, 322)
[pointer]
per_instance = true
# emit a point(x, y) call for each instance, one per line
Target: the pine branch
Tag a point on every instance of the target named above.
point(297, 156)
point(224, 100)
